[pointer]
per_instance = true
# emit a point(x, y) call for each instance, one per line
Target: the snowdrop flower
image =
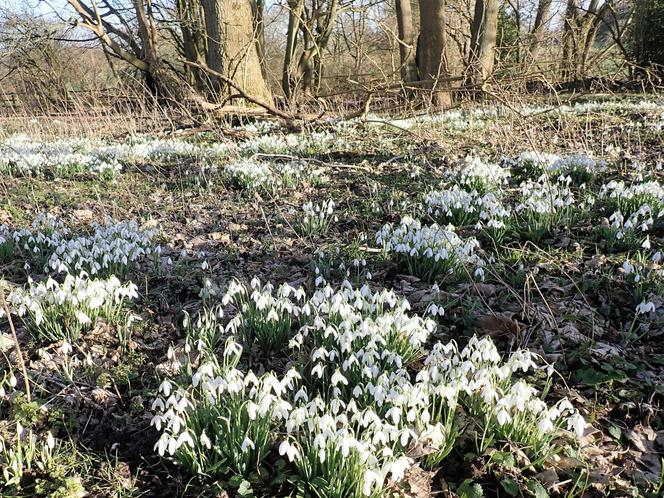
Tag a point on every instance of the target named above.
point(398, 468)
point(318, 370)
point(645, 307)
point(372, 478)
point(577, 423)
point(165, 388)
point(66, 348)
point(435, 310)
point(545, 424)
point(247, 444)
point(205, 441)
point(286, 448)
point(50, 440)
point(82, 317)
point(338, 378)
point(503, 417)
point(184, 438)
point(158, 404)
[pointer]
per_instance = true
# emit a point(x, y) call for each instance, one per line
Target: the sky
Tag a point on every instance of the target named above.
point(40, 7)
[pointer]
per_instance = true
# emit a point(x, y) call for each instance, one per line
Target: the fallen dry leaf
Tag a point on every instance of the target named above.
point(497, 324)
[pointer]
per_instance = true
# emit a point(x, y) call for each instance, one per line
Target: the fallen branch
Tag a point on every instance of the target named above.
point(249, 98)
point(19, 353)
point(319, 162)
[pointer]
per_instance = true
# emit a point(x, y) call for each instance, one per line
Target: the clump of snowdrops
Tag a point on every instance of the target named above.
point(461, 207)
point(331, 264)
point(143, 149)
point(431, 251)
point(111, 249)
point(346, 413)
point(23, 156)
point(532, 163)
point(581, 168)
point(294, 173)
point(27, 452)
point(292, 144)
point(545, 204)
point(251, 175)
point(315, 219)
point(481, 176)
point(30, 462)
point(265, 315)
point(628, 233)
point(53, 311)
point(644, 271)
point(629, 199)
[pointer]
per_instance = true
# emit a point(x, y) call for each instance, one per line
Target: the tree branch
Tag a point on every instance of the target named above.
point(254, 100)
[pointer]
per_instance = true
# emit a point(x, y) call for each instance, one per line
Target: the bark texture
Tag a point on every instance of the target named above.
point(310, 25)
point(194, 46)
point(406, 41)
point(232, 46)
point(579, 33)
point(539, 28)
point(483, 40)
point(431, 50)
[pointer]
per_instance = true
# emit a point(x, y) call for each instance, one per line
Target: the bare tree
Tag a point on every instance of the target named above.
point(579, 33)
point(539, 28)
point(310, 24)
point(483, 40)
point(406, 41)
point(112, 29)
point(39, 72)
point(219, 34)
point(431, 51)
point(189, 15)
point(232, 46)
point(184, 49)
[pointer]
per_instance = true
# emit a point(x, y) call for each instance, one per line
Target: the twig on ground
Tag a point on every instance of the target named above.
point(19, 353)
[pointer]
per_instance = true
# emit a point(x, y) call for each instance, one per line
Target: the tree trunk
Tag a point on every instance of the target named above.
point(259, 22)
point(570, 43)
point(304, 77)
point(518, 50)
point(579, 36)
point(592, 20)
point(640, 28)
point(483, 40)
point(315, 25)
point(406, 41)
point(431, 49)
point(158, 81)
point(539, 28)
point(294, 18)
point(190, 16)
point(232, 47)
point(324, 27)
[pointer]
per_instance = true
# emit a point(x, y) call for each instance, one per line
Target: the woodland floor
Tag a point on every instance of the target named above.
point(564, 296)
